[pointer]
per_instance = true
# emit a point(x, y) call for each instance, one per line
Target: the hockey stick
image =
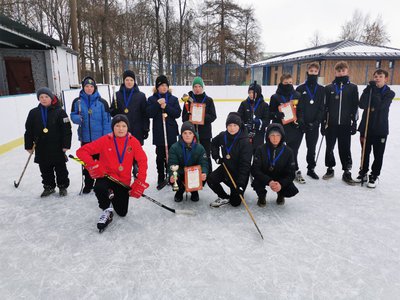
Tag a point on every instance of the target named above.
point(16, 184)
point(242, 198)
point(319, 149)
point(165, 182)
point(176, 211)
point(365, 137)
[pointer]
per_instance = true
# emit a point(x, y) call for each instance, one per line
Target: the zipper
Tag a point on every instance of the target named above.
point(340, 102)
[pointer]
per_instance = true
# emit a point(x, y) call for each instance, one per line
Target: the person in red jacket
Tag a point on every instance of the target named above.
point(117, 152)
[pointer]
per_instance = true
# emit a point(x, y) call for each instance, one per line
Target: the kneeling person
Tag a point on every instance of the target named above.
point(236, 156)
point(274, 166)
point(117, 153)
point(185, 153)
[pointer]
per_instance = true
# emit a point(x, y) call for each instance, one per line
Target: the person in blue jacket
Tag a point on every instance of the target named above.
point(164, 109)
point(92, 114)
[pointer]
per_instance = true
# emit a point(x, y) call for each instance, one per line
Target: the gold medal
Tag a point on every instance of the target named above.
point(120, 168)
point(311, 101)
point(89, 111)
point(45, 130)
point(126, 110)
point(228, 156)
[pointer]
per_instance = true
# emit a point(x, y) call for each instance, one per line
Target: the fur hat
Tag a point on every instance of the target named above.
point(233, 118)
point(198, 80)
point(187, 125)
point(161, 80)
point(119, 118)
point(129, 73)
point(89, 80)
point(45, 90)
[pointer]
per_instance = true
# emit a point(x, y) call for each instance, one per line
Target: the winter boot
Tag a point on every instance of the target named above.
point(179, 196)
point(361, 178)
point(329, 174)
point(87, 189)
point(346, 177)
point(312, 174)
point(280, 200)
point(195, 196)
point(219, 202)
point(105, 219)
point(63, 192)
point(262, 201)
point(48, 190)
point(299, 178)
point(372, 181)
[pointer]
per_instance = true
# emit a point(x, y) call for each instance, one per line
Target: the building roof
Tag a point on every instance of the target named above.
point(18, 36)
point(337, 50)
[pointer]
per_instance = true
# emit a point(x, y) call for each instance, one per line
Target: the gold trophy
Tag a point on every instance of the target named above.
point(174, 169)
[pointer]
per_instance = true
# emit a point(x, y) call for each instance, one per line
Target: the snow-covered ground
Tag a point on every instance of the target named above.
point(331, 241)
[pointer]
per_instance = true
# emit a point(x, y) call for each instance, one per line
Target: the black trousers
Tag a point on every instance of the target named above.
point(377, 144)
point(341, 134)
point(161, 162)
point(214, 181)
point(89, 181)
point(120, 201)
point(49, 179)
point(293, 138)
point(311, 143)
point(288, 191)
point(206, 143)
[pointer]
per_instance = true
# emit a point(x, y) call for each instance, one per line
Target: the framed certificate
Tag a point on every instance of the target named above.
point(193, 178)
point(290, 112)
point(197, 113)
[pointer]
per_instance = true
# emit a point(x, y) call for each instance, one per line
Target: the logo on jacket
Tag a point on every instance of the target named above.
point(129, 149)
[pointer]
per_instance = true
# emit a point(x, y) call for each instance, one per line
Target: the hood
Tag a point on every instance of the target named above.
point(275, 127)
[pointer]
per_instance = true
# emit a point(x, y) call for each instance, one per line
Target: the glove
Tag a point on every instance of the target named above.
point(96, 170)
point(280, 115)
point(323, 128)
point(137, 188)
point(372, 83)
point(145, 134)
point(353, 129)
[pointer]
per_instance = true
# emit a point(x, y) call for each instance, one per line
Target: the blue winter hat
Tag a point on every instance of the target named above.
point(89, 80)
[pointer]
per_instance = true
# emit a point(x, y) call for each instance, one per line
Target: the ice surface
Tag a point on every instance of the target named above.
point(331, 241)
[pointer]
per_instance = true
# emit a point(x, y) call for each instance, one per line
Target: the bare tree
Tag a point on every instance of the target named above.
point(316, 39)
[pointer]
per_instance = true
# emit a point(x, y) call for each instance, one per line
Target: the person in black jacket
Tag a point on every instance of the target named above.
point(48, 134)
point(130, 101)
point(375, 136)
point(236, 155)
point(340, 121)
point(164, 109)
point(254, 112)
point(273, 166)
point(284, 94)
point(204, 131)
point(310, 112)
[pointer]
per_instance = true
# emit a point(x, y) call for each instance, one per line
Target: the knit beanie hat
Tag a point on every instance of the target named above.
point(233, 118)
point(119, 118)
point(88, 80)
point(198, 80)
point(129, 73)
point(256, 88)
point(45, 90)
point(187, 125)
point(161, 80)
point(274, 128)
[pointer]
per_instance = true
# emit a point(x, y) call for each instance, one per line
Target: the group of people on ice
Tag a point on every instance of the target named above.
point(260, 143)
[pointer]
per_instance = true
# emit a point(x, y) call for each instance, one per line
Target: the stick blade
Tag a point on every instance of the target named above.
point(185, 212)
point(162, 185)
point(16, 185)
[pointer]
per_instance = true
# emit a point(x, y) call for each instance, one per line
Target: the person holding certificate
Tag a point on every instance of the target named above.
point(282, 108)
point(200, 110)
point(273, 166)
point(188, 160)
point(234, 146)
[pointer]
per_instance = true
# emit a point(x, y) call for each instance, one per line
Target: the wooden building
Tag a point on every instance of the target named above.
point(363, 60)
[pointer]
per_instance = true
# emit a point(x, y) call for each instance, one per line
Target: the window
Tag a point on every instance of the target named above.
point(276, 68)
point(276, 79)
point(391, 64)
point(378, 64)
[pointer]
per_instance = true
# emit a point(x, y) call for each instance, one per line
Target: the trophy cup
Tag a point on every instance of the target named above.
point(174, 169)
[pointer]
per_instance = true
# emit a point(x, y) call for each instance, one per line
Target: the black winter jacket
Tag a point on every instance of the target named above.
point(310, 112)
point(48, 145)
point(381, 99)
point(277, 99)
point(205, 131)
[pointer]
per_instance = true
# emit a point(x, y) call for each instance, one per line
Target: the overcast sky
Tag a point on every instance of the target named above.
point(288, 25)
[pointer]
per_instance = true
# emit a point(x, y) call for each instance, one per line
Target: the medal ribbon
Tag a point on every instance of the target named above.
point(202, 101)
point(166, 97)
point(273, 162)
point(228, 149)
point(255, 106)
point(127, 101)
point(383, 89)
point(312, 96)
point(43, 110)
point(121, 156)
point(339, 90)
point(284, 99)
point(187, 157)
